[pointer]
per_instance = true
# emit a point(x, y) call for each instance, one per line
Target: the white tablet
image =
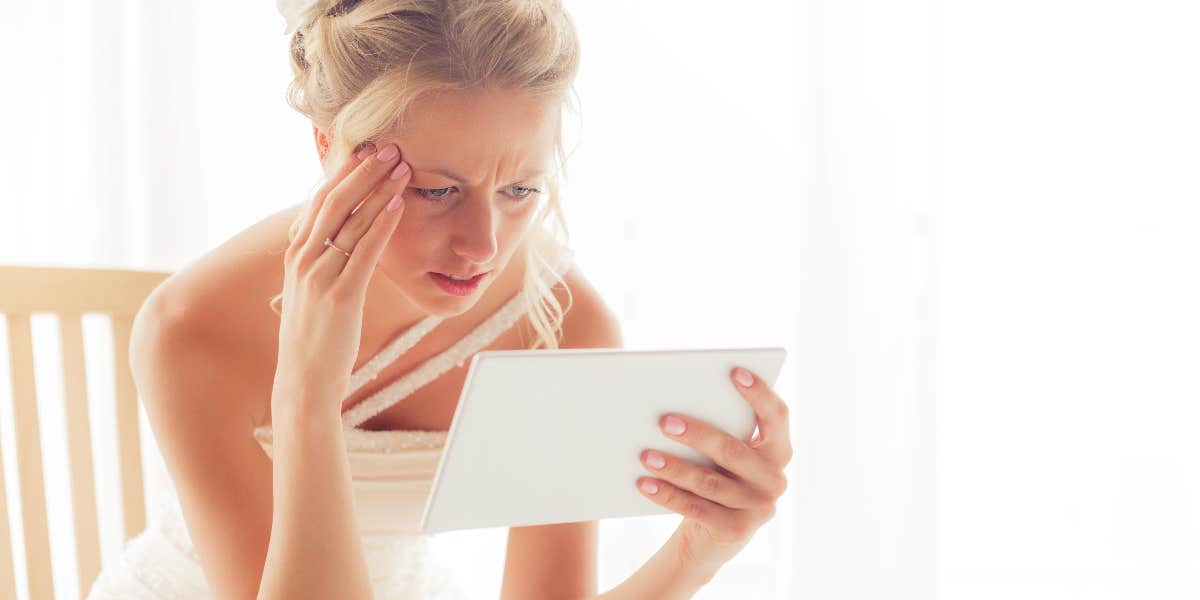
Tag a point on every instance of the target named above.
point(555, 436)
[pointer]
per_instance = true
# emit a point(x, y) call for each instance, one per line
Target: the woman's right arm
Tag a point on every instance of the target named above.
point(283, 527)
point(315, 549)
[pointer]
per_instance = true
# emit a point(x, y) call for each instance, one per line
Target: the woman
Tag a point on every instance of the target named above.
point(296, 470)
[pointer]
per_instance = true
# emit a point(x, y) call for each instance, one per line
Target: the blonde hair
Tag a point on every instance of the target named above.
point(360, 65)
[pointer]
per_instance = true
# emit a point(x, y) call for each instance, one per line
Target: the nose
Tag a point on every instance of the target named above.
point(474, 230)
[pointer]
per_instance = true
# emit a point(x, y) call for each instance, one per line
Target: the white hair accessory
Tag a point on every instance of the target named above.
point(299, 12)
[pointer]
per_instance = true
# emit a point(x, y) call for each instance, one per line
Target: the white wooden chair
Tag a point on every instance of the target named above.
point(69, 293)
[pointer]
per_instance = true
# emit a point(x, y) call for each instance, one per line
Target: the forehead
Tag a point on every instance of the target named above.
point(474, 132)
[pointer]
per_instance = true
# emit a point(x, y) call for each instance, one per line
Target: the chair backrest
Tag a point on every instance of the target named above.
point(69, 293)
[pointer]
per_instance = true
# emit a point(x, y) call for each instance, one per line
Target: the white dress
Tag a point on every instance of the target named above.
point(391, 471)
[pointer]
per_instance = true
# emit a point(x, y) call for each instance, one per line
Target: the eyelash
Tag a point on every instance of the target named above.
point(425, 192)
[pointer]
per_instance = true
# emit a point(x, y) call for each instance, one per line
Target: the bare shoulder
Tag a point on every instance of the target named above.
point(227, 289)
point(589, 322)
point(220, 302)
point(198, 365)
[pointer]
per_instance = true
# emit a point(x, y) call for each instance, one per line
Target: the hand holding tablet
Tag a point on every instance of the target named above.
point(562, 435)
point(724, 506)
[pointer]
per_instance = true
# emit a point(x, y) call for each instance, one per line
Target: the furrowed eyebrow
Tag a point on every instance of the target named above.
point(450, 175)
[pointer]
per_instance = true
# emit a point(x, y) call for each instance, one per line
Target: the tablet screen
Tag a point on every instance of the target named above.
point(555, 436)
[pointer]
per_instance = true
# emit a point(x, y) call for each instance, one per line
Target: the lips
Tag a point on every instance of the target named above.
point(455, 287)
point(462, 276)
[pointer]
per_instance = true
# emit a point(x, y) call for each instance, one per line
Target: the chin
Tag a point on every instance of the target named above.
point(449, 306)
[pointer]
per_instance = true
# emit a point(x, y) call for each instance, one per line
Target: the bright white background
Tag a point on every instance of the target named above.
point(972, 225)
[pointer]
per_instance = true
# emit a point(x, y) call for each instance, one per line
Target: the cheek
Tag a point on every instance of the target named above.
point(405, 242)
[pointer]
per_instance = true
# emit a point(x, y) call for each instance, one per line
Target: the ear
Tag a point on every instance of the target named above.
point(322, 142)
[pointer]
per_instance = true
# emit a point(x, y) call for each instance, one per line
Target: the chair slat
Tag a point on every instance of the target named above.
point(79, 447)
point(117, 292)
point(69, 293)
point(128, 440)
point(8, 579)
point(29, 457)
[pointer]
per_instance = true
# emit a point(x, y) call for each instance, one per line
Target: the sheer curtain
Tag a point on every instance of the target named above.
point(971, 225)
point(1068, 459)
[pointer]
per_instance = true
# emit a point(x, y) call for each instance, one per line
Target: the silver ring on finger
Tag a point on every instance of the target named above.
point(329, 242)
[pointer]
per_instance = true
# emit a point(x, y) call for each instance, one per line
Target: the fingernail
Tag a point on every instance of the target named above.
point(395, 203)
point(365, 152)
point(649, 486)
point(655, 460)
point(674, 425)
point(399, 171)
point(743, 377)
point(388, 153)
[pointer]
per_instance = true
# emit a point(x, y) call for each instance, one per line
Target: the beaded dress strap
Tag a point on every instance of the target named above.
point(405, 341)
point(487, 331)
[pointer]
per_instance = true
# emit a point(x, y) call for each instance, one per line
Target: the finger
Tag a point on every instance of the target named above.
point(690, 505)
point(362, 263)
point(730, 453)
point(701, 481)
point(346, 195)
point(771, 414)
point(332, 263)
point(313, 206)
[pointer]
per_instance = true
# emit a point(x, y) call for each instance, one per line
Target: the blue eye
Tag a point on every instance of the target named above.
point(528, 191)
point(436, 194)
point(430, 195)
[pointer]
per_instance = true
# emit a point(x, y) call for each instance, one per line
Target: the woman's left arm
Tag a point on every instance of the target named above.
point(722, 508)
